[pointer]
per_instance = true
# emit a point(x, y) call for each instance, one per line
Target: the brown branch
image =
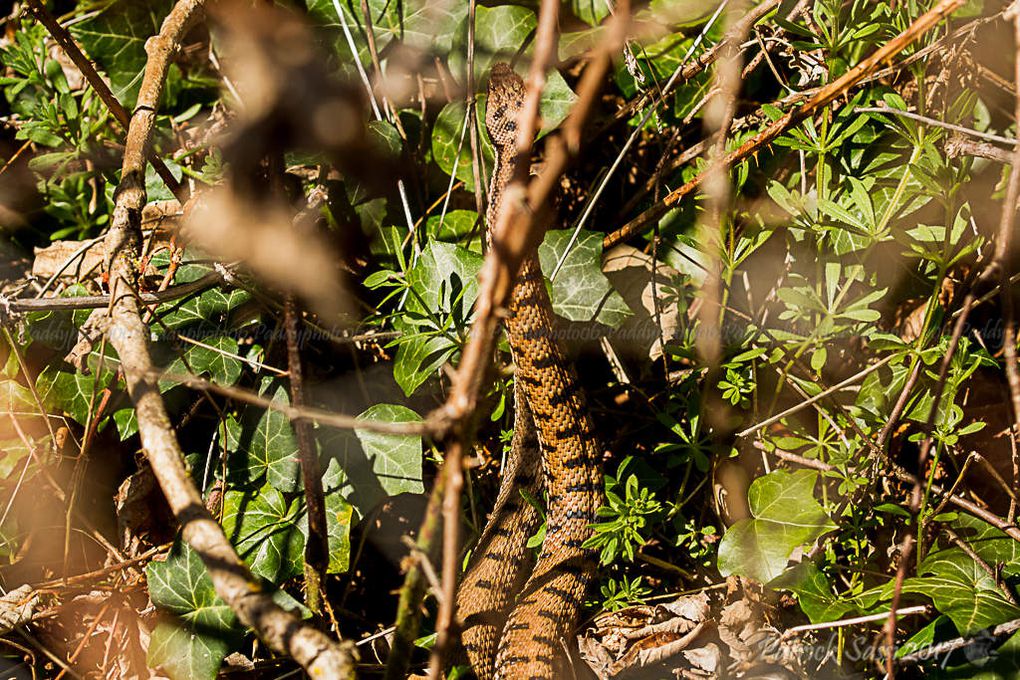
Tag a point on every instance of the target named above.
point(100, 301)
point(823, 97)
point(317, 545)
point(426, 428)
point(70, 47)
point(282, 631)
point(1003, 250)
point(413, 590)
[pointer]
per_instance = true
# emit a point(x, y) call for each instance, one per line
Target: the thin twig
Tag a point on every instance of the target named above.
point(982, 638)
point(295, 413)
point(860, 375)
point(934, 122)
point(843, 623)
point(100, 301)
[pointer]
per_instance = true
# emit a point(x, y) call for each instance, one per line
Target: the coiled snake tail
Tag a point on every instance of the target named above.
point(499, 564)
point(532, 642)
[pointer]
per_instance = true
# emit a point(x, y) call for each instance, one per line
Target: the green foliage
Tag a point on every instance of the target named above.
point(832, 234)
point(580, 291)
point(625, 521)
point(617, 594)
point(193, 642)
point(116, 37)
point(366, 467)
point(785, 516)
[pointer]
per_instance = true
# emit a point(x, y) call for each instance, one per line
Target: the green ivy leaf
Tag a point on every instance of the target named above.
point(263, 526)
point(208, 309)
point(590, 11)
point(185, 653)
point(813, 593)
point(216, 357)
point(73, 392)
point(785, 516)
point(962, 590)
point(198, 628)
point(368, 467)
point(115, 39)
point(451, 143)
point(193, 642)
point(499, 34)
point(339, 514)
point(556, 102)
point(580, 291)
point(455, 227)
point(266, 446)
point(990, 544)
point(422, 25)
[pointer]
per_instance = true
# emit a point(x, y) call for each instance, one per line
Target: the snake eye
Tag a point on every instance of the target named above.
point(511, 126)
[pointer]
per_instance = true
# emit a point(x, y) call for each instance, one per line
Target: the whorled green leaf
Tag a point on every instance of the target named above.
point(785, 516)
point(266, 447)
point(368, 467)
point(443, 286)
point(115, 39)
point(580, 291)
point(264, 527)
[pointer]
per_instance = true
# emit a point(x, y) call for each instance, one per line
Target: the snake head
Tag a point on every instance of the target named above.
point(505, 99)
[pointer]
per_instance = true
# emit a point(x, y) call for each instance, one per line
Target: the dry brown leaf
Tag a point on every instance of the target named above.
point(17, 607)
point(644, 285)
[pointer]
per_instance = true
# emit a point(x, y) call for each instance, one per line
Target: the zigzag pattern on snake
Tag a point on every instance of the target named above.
point(516, 620)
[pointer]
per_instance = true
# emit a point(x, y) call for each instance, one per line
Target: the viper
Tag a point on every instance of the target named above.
point(516, 618)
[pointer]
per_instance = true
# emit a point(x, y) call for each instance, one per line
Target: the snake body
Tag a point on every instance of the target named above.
point(540, 606)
